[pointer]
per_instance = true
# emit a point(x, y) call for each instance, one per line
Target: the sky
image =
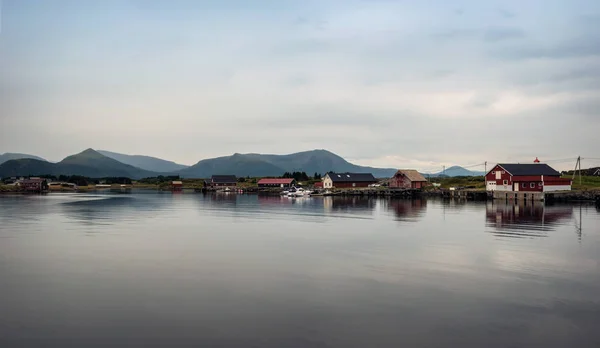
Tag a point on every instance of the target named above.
point(406, 84)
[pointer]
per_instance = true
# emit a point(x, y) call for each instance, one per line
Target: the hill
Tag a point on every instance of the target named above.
point(457, 171)
point(88, 163)
point(315, 161)
point(145, 162)
point(12, 156)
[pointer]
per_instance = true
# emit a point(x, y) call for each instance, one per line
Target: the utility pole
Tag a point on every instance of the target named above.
point(485, 173)
point(577, 164)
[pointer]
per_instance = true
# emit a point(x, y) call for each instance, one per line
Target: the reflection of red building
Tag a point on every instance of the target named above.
point(404, 208)
point(529, 217)
point(273, 200)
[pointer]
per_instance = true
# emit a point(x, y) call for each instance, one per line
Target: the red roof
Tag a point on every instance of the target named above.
point(270, 181)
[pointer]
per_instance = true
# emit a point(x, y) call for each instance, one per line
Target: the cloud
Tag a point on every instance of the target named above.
point(506, 13)
point(381, 82)
point(500, 34)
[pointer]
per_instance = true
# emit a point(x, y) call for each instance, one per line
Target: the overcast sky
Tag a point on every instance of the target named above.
point(385, 83)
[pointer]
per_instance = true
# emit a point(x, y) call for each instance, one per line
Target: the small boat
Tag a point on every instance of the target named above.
point(300, 192)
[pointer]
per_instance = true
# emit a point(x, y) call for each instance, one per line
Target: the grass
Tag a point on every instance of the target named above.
point(587, 182)
point(8, 188)
point(474, 182)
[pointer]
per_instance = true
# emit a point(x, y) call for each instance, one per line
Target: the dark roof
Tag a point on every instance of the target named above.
point(223, 179)
point(275, 181)
point(352, 177)
point(528, 169)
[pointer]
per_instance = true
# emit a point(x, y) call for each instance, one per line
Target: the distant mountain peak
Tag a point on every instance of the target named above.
point(145, 162)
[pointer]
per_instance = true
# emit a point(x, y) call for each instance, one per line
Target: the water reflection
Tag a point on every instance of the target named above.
point(406, 209)
point(525, 219)
point(251, 271)
point(349, 205)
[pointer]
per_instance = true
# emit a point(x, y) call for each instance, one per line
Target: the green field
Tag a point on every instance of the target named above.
point(471, 182)
point(587, 182)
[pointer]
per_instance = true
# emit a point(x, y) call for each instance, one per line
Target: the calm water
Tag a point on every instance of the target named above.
point(187, 270)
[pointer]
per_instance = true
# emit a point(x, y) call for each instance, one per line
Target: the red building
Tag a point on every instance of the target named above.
point(176, 185)
point(34, 185)
point(536, 177)
point(348, 180)
point(273, 182)
point(408, 179)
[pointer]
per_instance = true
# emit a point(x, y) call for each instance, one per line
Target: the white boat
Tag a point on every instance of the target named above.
point(299, 192)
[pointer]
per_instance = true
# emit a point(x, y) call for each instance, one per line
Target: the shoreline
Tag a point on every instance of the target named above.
point(575, 196)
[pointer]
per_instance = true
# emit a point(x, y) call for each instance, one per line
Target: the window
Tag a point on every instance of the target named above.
point(540, 184)
point(493, 172)
point(532, 185)
point(353, 185)
point(503, 172)
point(524, 185)
point(505, 182)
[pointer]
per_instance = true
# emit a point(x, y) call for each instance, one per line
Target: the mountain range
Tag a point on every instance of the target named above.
point(145, 162)
point(252, 164)
point(11, 156)
point(457, 171)
point(88, 163)
point(98, 164)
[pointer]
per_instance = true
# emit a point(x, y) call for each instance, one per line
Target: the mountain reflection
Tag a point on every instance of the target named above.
point(525, 219)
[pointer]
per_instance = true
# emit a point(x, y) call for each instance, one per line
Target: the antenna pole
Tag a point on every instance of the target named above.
point(579, 161)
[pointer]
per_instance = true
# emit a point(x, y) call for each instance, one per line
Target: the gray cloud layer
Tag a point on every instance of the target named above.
point(381, 82)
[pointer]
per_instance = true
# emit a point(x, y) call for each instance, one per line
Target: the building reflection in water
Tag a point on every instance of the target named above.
point(354, 205)
point(220, 198)
point(407, 209)
point(525, 219)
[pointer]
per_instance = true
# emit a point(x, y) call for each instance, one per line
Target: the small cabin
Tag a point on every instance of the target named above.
point(223, 181)
point(33, 185)
point(408, 179)
point(176, 185)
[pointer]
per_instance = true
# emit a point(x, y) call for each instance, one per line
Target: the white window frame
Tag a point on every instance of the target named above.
point(504, 182)
point(532, 185)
